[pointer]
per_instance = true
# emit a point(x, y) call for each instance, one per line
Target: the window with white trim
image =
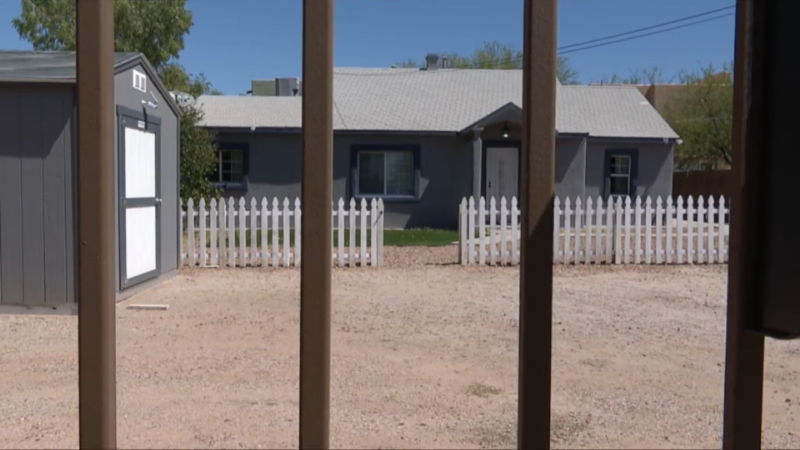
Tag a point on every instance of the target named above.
point(620, 175)
point(139, 81)
point(386, 173)
point(230, 166)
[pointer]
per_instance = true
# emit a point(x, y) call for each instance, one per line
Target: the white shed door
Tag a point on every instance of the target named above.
point(139, 237)
point(502, 173)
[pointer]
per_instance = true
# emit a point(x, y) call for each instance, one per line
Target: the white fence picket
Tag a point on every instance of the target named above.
point(722, 252)
point(202, 216)
point(190, 215)
point(212, 229)
point(492, 231)
point(556, 230)
point(287, 232)
point(231, 233)
point(680, 214)
point(648, 233)
point(364, 213)
point(297, 232)
point(588, 253)
point(212, 219)
point(515, 232)
point(373, 248)
point(340, 212)
point(253, 232)
point(504, 235)
point(618, 231)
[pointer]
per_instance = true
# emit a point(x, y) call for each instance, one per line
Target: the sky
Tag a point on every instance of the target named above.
point(235, 41)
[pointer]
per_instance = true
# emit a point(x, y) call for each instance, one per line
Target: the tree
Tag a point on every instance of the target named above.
point(494, 55)
point(155, 28)
point(653, 75)
point(702, 115)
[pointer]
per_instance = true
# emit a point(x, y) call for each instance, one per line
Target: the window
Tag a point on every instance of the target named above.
point(620, 175)
point(621, 169)
point(139, 81)
point(231, 168)
point(389, 171)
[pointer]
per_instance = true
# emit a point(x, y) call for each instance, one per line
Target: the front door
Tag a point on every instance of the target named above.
point(140, 202)
point(502, 173)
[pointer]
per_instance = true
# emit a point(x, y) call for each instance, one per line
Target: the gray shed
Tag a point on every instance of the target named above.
point(38, 184)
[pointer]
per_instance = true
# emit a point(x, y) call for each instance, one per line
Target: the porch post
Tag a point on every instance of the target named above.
point(477, 159)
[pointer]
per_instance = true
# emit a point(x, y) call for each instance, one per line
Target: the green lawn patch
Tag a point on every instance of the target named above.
point(399, 238)
point(422, 237)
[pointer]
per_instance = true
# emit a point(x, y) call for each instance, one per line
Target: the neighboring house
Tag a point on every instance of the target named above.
point(38, 178)
point(424, 139)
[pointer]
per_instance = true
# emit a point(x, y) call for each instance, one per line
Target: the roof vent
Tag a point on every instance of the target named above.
point(433, 61)
point(287, 87)
point(182, 98)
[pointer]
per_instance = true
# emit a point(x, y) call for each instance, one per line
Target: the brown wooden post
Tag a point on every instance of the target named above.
point(744, 353)
point(315, 271)
point(536, 266)
point(96, 209)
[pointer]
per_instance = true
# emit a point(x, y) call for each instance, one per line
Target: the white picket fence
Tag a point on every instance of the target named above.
point(230, 233)
point(679, 231)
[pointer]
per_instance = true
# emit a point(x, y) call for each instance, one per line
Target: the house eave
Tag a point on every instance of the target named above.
point(297, 130)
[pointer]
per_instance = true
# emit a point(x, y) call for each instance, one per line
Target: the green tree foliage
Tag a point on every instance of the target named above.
point(495, 55)
point(653, 75)
point(701, 112)
point(155, 28)
point(702, 115)
point(200, 161)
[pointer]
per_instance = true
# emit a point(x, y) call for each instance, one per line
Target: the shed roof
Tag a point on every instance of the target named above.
point(25, 65)
point(444, 100)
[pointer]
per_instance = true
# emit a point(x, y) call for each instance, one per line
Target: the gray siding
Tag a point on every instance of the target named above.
point(127, 96)
point(570, 168)
point(37, 253)
point(446, 174)
point(655, 167)
point(445, 170)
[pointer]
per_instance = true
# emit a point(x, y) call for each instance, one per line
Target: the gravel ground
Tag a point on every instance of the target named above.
point(424, 356)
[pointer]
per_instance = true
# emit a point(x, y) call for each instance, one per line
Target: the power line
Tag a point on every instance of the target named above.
point(584, 45)
point(647, 34)
point(598, 42)
point(639, 30)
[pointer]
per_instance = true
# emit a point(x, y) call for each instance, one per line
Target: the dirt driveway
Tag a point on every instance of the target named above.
point(423, 357)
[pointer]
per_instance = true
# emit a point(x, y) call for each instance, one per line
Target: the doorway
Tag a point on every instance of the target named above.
point(139, 200)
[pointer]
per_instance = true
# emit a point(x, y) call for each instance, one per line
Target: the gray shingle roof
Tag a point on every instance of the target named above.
point(26, 65)
point(444, 100)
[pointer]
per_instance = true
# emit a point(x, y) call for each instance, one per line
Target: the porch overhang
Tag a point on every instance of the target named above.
point(509, 112)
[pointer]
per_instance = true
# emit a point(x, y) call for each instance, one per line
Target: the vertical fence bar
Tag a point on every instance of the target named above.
point(97, 332)
point(315, 273)
point(537, 163)
point(744, 352)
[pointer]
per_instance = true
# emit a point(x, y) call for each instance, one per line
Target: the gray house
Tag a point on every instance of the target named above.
point(424, 139)
point(38, 179)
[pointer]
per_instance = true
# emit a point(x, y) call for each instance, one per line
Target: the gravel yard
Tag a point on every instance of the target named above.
point(424, 356)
